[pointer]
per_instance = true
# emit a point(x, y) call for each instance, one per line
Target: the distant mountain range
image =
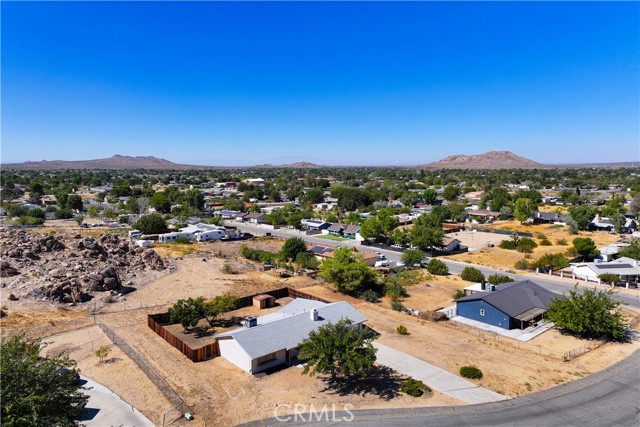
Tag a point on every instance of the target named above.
point(138, 162)
point(488, 160)
point(114, 162)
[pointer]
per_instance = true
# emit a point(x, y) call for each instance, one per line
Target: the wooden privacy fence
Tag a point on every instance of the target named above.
point(158, 321)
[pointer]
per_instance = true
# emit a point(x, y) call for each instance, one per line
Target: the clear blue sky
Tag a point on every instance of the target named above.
point(333, 83)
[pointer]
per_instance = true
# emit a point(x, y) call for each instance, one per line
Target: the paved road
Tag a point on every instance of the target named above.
point(606, 399)
point(105, 408)
point(436, 378)
point(551, 283)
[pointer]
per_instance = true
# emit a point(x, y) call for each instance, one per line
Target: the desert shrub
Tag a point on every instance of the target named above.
point(526, 245)
point(182, 241)
point(402, 330)
point(541, 236)
point(497, 279)
point(434, 316)
point(507, 244)
point(545, 242)
point(521, 264)
point(609, 278)
point(396, 306)
point(395, 291)
point(370, 295)
point(437, 267)
point(459, 294)
point(470, 372)
point(561, 242)
point(227, 269)
point(472, 274)
point(414, 388)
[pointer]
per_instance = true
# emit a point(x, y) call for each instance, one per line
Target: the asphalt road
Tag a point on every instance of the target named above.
point(553, 284)
point(608, 398)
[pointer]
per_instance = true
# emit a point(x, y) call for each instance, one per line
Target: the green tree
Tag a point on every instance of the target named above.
point(338, 349)
point(499, 198)
point(582, 215)
point(451, 192)
point(292, 247)
point(429, 195)
point(348, 271)
point(194, 199)
point(307, 260)
point(412, 257)
point(35, 391)
point(551, 261)
point(426, 233)
point(92, 210)
point(437, 267)
point(102, 352)
point(160, 202)
point(74, 202)
point(187, 312)
point(592, 314)
point(371, 229)
point(585, 247)
point(472, 274)
point(151, 224)
point(523, 209)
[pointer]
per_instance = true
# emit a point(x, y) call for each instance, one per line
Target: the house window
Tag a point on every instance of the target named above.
point(266, 358)
point(481, 312)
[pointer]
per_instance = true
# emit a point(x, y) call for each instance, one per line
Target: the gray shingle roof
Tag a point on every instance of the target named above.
point(287, 328)
point(515, 298)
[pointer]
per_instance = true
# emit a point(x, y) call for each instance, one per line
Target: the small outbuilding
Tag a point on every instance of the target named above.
point(263, 301)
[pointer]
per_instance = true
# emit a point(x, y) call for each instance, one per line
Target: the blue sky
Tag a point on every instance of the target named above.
point(332, 83)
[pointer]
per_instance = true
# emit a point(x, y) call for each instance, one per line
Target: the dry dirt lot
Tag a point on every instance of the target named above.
point(450, 348)
point(505, 259)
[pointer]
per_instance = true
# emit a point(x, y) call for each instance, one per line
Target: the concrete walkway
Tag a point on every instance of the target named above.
point(436, 378)
point(105, 408)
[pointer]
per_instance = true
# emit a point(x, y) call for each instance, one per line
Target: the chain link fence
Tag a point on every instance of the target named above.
point(153, 375)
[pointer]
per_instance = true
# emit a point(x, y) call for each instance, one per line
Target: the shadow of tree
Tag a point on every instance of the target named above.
point(382, 382)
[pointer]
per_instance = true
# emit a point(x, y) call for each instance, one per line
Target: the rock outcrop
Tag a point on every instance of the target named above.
point(72, 270)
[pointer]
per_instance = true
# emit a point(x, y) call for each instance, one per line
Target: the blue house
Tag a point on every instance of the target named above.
point(509, 306)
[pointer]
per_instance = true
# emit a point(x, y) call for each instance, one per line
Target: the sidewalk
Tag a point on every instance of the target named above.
point(105, 408)
point(436, 378)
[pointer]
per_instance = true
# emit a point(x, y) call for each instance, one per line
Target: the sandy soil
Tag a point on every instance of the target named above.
point(450, 348)
point(431, 294)
point(195, 277)
point(505, 259)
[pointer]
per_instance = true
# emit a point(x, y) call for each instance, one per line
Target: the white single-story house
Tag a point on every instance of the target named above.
point(273, 339)
point(199, 232)
point(627, 268)
point(609, 252)
point(255, 218)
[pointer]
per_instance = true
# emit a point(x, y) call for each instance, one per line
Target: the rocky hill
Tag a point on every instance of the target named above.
point(72, 270)
point(488, 160)
point(114, 162)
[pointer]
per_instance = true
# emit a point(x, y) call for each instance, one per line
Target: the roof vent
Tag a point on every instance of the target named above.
point(250, 322)
point(483, 285)
point(314, 314)
point(493, 288)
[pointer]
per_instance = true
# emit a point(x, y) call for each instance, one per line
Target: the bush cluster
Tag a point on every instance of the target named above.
point(414, 388)
point(472, 274)
point(370, 295)
point(437, 267)
point(470, 372)
point(496, 279)
point(258, 255)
